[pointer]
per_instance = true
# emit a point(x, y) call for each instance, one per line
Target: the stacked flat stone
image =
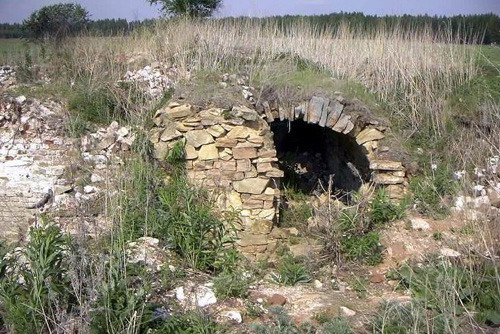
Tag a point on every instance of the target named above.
point(368, 131)
point(230, 152)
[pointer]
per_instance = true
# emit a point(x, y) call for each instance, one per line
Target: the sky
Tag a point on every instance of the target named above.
point(12, 11)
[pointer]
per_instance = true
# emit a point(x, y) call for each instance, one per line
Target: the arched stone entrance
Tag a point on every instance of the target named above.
point(241, 154)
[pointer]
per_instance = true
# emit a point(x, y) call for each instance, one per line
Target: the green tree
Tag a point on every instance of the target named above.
point(56, 21)
point(191, 8)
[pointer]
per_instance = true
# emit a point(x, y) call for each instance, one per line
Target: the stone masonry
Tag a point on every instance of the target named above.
point(231, 152)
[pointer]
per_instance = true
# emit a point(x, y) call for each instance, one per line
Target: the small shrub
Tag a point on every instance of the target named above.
point(291, 272)
point(282, 324)
point(231, 284)
point(352, 233)
point(34, 282)
point(298, 210)
point(189, 225)
point(336, 326)
point(119, 304)
point(94, 105)
point(449, 289)
point(382, 210)
point(26, 70)
point(431, 189)
point(192, 323)
point(365, 248)
point(399, 318)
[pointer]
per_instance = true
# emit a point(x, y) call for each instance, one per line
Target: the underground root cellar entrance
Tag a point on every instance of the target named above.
point(311, 155)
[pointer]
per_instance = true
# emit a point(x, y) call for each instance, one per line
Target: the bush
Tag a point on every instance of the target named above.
point(94, 105)
point(192, 323)
point(282, 324)
point(336, 326)
point(431, 189)
point(365, 248)
point(35, 289)
point(382, 210)
point(351, 233)
point(57, 21)
point(231, 284)
point(291, 272)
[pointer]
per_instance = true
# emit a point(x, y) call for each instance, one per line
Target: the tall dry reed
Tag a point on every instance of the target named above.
point(413, 72)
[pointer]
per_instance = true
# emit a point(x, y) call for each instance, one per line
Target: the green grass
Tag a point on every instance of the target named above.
point(291, 271)
point(450, 290)
point(295, 79)
point(12, 50)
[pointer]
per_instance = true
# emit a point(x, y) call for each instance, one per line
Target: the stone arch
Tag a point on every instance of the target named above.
point(233, 152)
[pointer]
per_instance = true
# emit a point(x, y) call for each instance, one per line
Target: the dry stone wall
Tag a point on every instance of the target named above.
point(232, 153)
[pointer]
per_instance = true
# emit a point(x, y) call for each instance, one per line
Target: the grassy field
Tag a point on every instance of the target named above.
point(12, 51)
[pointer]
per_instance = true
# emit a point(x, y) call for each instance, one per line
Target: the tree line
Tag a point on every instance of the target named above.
point(485, 26)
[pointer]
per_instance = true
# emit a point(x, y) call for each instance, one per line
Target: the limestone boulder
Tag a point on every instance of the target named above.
point(175, 110)
point(208, 152)
point(254, 186)
point(245, 113)
point(369, 134)
point(197, 138)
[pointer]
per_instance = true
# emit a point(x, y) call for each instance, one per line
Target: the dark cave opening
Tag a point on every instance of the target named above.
point(309, 155)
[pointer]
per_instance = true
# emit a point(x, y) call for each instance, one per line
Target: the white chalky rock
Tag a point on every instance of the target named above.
point(481, 201)
point(205, 296)
point(179, 294)
point(234, 316)
point(479, 190)
point(347, 312)
point(89, 189)
point(419, 224)
point(21, 99)
point(448, 252)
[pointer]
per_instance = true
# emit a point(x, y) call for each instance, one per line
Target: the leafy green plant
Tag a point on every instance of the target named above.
point(119, 302)
point(188, 323)
point(26, 70)
point(351, 233)
point(34, 281)
point(296, 215)
point(291, 272)
point(365, 248)
point(452, 289)
point(403, 318)
point(94, 105)
point(190, 226)
point(431, 189)
point(57, 21)
point(336, 326)
point(232, 284)
point(190, 8)
point(382, 210)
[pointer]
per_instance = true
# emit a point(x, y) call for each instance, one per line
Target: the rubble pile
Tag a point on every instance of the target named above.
point(484, 195)
point(155, 80)
point(7, 76)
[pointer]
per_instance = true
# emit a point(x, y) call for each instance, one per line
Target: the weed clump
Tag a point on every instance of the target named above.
point(351, 233)
point(291, 271)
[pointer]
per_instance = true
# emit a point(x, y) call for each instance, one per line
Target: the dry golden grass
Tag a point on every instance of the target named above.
point(413, 72)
